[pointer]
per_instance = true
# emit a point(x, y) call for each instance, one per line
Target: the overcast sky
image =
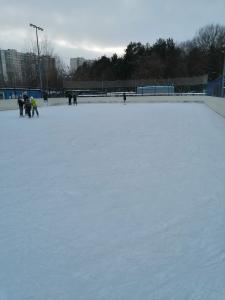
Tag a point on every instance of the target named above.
point(91, 28)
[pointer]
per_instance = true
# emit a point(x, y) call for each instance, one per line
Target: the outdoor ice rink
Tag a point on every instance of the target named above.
point(113, 201)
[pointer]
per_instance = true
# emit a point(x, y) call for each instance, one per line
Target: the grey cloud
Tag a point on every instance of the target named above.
point(105, 23)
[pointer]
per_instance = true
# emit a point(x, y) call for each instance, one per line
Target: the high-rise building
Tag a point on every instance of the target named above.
point(29, 69)
point(75, 63)
point(49, 72)
point(10, 66)
point(3, 68)
point(21, 69)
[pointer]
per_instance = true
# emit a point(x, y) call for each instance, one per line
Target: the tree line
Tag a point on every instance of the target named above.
point(203, 54)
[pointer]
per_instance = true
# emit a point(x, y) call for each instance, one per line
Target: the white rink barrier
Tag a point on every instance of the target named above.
point(12, 104)
point(217, 104)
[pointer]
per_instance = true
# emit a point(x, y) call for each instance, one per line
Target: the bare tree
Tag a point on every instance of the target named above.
point(210, 36)
point(46, 47)
point(52, 67)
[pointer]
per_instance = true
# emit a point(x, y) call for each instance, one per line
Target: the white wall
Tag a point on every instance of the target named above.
point(217, 104)
point(12, 104)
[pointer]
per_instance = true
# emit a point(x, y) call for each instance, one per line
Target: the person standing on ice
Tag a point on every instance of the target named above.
point(45, 97)
point(69, 98)
point(124, 98)
point(34, 106)
point(74, 98)
point(27, 106)
point(25, 100)
point(20, 103)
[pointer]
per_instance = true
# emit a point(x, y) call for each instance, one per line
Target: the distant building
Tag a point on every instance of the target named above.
point(29, 69)
point(49, 72)
point(75, 63)
point(21, 69)
point(10, 66)
point(3, 69)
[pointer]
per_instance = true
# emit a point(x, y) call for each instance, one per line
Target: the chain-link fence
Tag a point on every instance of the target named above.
point(185, 84)
point(216, 87)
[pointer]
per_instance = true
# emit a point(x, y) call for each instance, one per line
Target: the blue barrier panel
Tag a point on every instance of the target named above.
point(13, 93)
point(216, 87)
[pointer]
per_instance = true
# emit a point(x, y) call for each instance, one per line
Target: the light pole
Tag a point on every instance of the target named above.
point(39, 65)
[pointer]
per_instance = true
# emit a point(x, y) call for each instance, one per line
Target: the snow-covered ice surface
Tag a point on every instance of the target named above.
point(112, 201)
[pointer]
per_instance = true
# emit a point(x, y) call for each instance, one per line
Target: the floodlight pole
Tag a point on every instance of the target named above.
point(38, 49)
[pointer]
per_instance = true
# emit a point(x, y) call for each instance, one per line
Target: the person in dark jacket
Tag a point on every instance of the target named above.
point(69, 98)
point(124, 98)
point(27, 105)
point(20, 103)
point(74, 99)
point(25, 99)
point(45, 97)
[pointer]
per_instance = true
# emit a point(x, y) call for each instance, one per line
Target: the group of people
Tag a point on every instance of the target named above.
point(27, 106)
point(74, 97)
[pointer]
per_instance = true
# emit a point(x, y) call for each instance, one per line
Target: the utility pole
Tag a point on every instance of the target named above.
point(38, 49)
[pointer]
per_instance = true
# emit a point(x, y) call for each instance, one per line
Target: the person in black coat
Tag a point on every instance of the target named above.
point(69, 98)
point(74, 98)
point(124, 98)
point(45, 97)
point(20, 103)
point(27, 105)
point(25, 99)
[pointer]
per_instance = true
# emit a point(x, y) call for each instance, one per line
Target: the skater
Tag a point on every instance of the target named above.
point(25, 97)
point(74, 99)
point(34, 107)
point(20, 103)
point(25, 100)
point(45, 97)
point(27, 106)
point(124, 98)
point(69, 98)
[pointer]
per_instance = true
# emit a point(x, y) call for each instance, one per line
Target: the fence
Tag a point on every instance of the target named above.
point(189, 84)
point(216, 87)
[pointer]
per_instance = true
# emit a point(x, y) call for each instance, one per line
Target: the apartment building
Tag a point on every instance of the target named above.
point(75, 63)
point(10, 66)
point(21, 69)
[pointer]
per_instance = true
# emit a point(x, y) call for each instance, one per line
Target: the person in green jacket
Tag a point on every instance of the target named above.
point(34, 106)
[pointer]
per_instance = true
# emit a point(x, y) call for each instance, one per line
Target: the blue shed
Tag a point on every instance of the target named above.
point(155, 89)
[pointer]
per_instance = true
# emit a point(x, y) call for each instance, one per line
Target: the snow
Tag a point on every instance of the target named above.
point(112, 201)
